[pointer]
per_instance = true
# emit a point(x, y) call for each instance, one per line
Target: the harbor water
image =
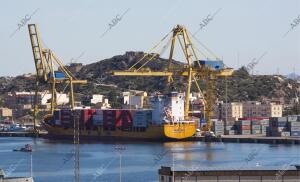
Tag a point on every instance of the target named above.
point(53, 160)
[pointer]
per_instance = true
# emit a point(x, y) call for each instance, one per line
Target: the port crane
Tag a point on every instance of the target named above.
point(50, 70)
point(192, 70)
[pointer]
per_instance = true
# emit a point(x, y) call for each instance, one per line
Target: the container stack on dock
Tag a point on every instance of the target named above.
point(230, 128)
point(243, 127)
point(278, 127)
point(218, 127)
point(264, 126)
point(294, 125)
point(255, 127)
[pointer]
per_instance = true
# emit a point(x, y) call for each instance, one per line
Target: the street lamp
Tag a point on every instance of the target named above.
point(120, 149)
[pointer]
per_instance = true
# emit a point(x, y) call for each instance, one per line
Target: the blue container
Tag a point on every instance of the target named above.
point(278, 123)
point(213, 64)
point(58, 75)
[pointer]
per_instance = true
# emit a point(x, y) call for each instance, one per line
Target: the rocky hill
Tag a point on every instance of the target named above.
point(241, 86)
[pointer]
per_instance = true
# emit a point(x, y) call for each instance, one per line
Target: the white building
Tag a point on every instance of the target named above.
point(61, 99)
point(97, 98)
point(253, 109)
point(229, 112)
point(134, 100)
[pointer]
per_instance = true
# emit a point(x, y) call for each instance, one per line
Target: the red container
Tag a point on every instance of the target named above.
point(253, 119)
point(86, 116)
point(125, 119)
point(245, 127)
point(91, 111)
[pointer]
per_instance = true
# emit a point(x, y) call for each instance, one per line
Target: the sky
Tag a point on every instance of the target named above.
point(238, 31)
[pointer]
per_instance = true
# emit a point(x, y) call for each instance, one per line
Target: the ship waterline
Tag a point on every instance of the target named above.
point(168, 131)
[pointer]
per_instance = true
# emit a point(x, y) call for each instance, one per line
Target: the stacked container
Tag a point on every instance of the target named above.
point(86, 117)
point(255, 127)
point(98, 118)
point(57, 118)
point(124, 120)
point(278, 126)
point(294, 125)
point(110, 118)
point(218, 127)
point(264, 127)
point(230, 130)
point(141, 118)
point(244, 127)
point(66, 117)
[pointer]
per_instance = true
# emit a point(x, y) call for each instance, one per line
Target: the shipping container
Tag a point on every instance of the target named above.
point(255, 132)
point(295, 128)
point(98, 119)
point(86, 117)
point(280, 119)
point(230, 132)
point(67, 117)
point(218, 122)
point(256, 127)
point(252, 119)
point(244, 127)
point(215, 64)
point(141, 118)
point(255, 122)
point(245, 132)
point(264, 122)
point(110, 117)
point(244, 122)
point(231, 127)
point(264, 129)
point(294, 123)
point(275, 123)
point(57, 75)
point(285, 134)
point(294, 118)
point(218, 133)
point(295, 133)
point(125, 119)
point(218, 128)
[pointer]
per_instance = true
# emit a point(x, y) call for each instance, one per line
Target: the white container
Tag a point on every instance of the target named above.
point(295, 123)
point(256, 127)
point(285, 133)
point(295, 128)
point(282, 119)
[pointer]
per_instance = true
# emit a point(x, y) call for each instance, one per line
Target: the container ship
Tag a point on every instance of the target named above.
point(164, 121)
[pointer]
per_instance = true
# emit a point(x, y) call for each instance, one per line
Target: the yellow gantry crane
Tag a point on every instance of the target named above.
point(192, 70)
point(49, 70)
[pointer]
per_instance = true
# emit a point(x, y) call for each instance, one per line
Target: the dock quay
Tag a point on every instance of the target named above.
point(248, 139)
point(224, 138)
point(22, 134)
point(166, 174)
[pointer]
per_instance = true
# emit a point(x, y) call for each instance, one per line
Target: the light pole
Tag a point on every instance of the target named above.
point(119, 149)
